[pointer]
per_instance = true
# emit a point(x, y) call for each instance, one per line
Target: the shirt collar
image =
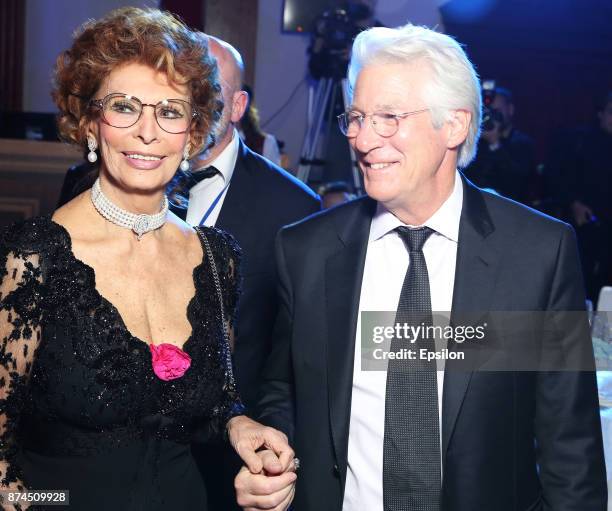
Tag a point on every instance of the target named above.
point(444, 221)
point(226, 160)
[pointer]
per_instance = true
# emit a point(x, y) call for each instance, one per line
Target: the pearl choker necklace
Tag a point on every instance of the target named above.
point(140, 224)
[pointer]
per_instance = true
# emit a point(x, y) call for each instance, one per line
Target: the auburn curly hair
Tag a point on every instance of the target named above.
point(133, 35)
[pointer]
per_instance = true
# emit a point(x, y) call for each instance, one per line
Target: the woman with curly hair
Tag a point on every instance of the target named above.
point(115, 316)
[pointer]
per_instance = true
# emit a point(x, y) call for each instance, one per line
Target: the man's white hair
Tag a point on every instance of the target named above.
point(454, 84)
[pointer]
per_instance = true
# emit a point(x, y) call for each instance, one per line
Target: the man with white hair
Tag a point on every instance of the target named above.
point(425, 239)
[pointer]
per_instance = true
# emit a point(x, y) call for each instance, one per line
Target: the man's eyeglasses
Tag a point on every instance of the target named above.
point(122, 111)
point(384, 124)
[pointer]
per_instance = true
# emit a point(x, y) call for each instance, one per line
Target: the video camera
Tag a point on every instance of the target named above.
point(490, 116)
point(333, 34)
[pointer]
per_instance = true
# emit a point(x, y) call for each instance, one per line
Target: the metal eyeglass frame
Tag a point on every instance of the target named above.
point(99, 103)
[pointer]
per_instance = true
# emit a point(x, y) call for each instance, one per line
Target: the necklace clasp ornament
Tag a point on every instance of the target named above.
point(141, 225)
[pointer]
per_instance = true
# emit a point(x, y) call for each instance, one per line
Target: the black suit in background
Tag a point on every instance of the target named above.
point(584, 166)
point(497, 427)
point(260, 200)
point(508, 170)
point(79, 178)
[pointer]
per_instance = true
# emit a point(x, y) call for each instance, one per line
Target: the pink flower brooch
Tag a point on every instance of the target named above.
point(169, 361)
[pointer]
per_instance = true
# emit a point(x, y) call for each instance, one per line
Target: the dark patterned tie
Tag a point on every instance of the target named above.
point(196, 176)
point(411, 455)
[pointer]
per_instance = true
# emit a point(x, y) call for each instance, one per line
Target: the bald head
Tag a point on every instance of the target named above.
point(229, 60)
point(231, 74)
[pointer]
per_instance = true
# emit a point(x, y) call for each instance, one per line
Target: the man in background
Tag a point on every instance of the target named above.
point(334, 193)
point(237, 190)
point(505, 160)
point(583, 164)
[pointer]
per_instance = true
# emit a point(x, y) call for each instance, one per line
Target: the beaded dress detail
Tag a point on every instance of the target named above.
point(80, 405)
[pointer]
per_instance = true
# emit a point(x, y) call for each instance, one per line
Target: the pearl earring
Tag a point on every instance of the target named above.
point(184, 166)
point(92, 145)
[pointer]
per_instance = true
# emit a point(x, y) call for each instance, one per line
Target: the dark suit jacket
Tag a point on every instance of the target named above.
point(260, 200)
point(497, 427)
point(79, 178)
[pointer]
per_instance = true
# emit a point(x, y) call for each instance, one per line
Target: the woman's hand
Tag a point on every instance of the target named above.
point(257, 492)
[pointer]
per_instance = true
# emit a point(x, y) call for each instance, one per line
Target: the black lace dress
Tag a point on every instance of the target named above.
point(80, 406)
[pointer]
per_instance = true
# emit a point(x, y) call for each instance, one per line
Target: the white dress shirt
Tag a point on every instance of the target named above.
point(202, 195)
point(386, 264)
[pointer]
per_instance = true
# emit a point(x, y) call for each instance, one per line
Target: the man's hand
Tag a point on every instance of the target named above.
point(582, 213)
point(248, 436)
point(256, 492)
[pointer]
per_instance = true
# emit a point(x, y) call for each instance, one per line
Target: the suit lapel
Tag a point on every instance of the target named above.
point(477, 265)
point(344, 273)
point(478, 260)
point(234, 208)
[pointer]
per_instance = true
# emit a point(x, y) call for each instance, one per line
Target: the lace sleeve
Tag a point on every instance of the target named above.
point(20, 294)
point(228, 259)
point(227, 256)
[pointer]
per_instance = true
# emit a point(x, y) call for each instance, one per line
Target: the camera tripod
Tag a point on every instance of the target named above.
point(321, 101)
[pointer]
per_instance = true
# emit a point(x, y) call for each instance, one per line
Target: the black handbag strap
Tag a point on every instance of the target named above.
point(217, 282)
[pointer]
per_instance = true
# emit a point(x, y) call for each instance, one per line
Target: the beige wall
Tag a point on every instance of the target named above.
point(31, 177)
